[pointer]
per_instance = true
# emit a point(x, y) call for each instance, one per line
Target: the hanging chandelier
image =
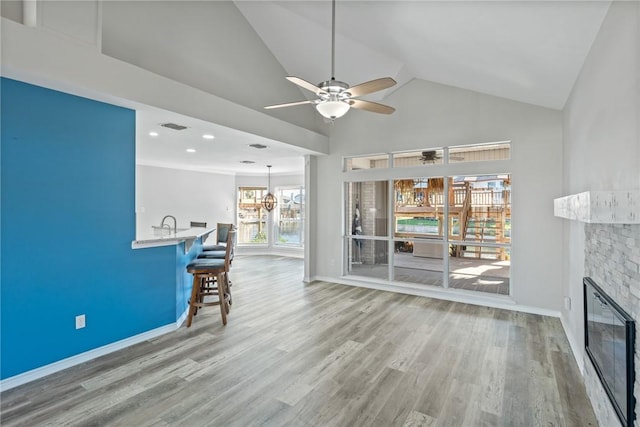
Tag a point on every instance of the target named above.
point(269, 201)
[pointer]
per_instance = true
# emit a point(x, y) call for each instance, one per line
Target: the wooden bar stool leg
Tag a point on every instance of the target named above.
point(195, 291)
point(227, 284)
point(223, 302)
point(203, 290)
point(227, 293)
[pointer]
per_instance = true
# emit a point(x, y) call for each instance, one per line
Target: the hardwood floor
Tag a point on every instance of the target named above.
point(318, 355)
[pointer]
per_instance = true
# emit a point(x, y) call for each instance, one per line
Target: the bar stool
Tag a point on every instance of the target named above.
point(218, 251)
point(207, 254)
point(221, 238)
point(210, 278)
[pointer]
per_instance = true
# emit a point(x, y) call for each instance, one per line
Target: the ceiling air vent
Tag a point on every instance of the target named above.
point(259, 146)
point(173, 126)
point(247, 162)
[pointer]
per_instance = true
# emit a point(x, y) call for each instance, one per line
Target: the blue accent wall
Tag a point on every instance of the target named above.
point(68, 219)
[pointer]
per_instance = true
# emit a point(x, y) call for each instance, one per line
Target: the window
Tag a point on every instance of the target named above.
point(447, 231)
point(480, 236)
point(289, 226)
point(419, 222)
point(419, 207)
point(418, 261)
point(367, 207)
point(431, 156)
point(480, 152)
point(374, 161)
point(252, 217)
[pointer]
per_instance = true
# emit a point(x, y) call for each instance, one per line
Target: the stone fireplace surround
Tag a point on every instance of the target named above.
point(612, 259)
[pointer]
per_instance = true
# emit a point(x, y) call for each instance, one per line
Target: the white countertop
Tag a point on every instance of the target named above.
point(172, 238)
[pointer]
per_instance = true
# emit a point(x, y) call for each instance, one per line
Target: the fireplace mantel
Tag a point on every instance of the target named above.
point(600, 207)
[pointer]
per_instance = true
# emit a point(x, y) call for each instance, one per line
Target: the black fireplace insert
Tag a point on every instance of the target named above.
point(609, 342)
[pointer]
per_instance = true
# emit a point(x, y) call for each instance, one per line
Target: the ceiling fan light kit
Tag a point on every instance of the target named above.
point(335, 98)
point(332, 109)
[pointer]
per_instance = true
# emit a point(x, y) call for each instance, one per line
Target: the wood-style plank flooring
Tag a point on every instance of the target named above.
point(322, 354)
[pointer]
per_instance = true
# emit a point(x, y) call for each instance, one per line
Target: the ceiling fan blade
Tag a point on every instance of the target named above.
point(371, 86)
point(288, 104)
point(306, 85)
point(374, 107)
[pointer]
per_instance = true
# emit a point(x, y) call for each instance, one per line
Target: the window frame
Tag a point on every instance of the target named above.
point(445, 170)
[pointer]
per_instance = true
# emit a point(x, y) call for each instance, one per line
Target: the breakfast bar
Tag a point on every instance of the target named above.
point(188, 236)
point(171, 253)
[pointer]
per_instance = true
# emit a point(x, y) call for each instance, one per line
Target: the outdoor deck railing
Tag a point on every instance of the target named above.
point(478, 198)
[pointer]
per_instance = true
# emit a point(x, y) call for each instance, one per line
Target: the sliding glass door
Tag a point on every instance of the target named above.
point(450, 231)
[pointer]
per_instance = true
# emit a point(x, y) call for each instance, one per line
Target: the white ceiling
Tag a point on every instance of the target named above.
point(529, 51)
point(223, 154)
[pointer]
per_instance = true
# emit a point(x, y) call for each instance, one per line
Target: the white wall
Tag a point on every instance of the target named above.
point(41, 57)
point(208, 45)
point(601, 138)
point(189, 196)
point(432, 115)
point(11, 10)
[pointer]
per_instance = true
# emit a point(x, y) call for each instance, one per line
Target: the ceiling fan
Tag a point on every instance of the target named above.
point(432, 156)
point(336, 97)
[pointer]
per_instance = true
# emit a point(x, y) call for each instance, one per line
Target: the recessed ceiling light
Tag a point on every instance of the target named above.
point(259, 146)
point(191, 150)
point(153, 133)
point(247, 162)
point(208, 136)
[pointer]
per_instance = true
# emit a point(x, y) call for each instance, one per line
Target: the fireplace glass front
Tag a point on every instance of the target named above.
point(609, 342)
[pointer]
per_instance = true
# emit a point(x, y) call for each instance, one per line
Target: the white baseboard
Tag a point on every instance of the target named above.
point(182, 318)
point(575, 348)
point(43, 371)
point(277, 251)
point(457, 295)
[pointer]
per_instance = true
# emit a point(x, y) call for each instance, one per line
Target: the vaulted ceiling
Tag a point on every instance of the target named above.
point(529, 51)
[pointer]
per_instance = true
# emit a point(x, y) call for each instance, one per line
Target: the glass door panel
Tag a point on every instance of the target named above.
point(479, 268)
point(418, 261)
point(480, 208)
point(368, 257)
point(418, 207)
point(367, 207)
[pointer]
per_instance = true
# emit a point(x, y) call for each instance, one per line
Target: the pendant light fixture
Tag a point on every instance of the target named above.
point(269, 201)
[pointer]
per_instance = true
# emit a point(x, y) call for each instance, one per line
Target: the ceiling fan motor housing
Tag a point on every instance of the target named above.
point(335, 90)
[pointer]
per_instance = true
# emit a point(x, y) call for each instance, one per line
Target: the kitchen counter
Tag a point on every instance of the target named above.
point(188, 236)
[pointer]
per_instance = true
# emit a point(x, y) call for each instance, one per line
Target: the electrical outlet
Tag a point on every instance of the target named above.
point(567, 303)
point(80, 321)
